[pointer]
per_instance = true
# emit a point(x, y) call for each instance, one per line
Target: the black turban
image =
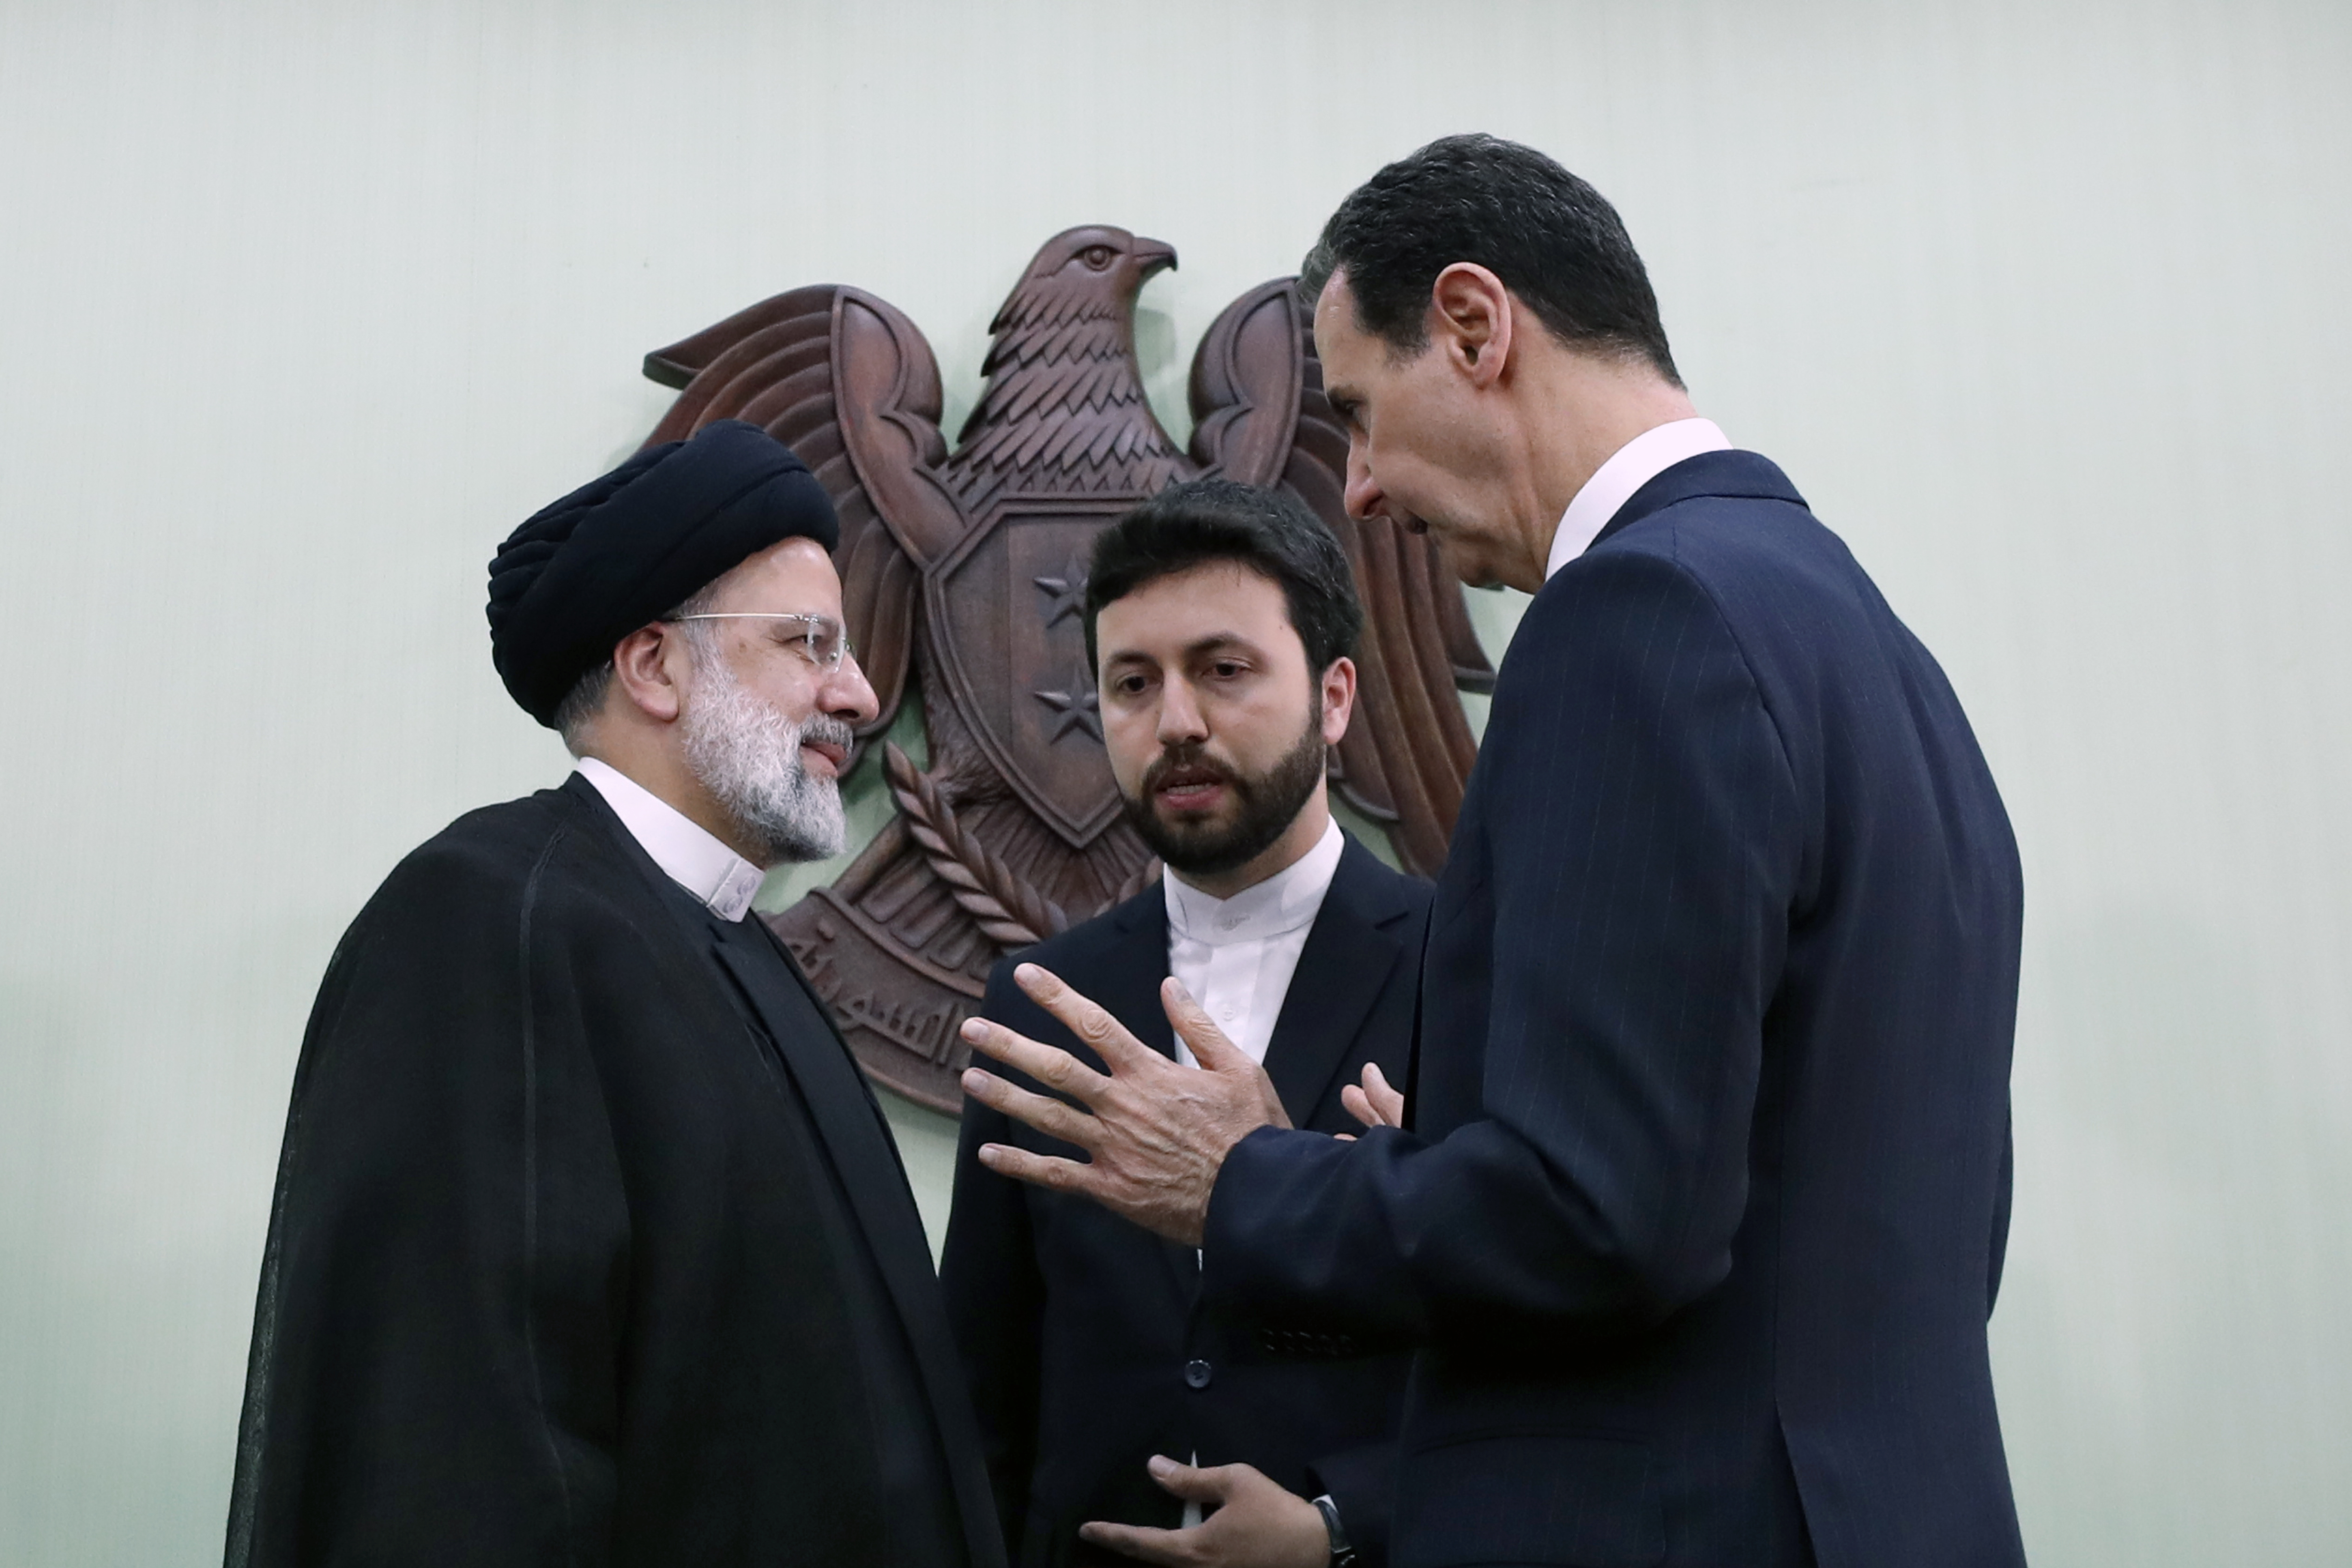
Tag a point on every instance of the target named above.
point(621, 551)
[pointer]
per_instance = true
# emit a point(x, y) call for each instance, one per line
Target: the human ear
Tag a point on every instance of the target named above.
point(1338, 685)
point(648, 664)
point(1470, 315)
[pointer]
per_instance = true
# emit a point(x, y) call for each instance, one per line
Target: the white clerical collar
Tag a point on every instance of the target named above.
point(696, 860)
point(1283, 902)
point(1612, 484)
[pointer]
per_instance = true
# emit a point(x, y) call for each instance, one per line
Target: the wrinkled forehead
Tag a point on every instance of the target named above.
point(792, 576)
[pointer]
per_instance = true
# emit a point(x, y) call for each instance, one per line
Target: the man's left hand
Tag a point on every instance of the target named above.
point(1155, 1132)
point(1257, 1523)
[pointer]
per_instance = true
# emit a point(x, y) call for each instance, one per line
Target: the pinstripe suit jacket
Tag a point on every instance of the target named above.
point(1701, 1215)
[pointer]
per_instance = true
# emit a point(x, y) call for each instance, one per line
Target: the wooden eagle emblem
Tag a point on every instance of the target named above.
point(964, 573)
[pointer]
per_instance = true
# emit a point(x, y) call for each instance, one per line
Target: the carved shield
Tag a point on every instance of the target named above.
point(1009, 603)
point(963, 575)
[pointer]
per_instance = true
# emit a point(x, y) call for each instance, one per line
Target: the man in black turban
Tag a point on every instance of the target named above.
point(590, 1244)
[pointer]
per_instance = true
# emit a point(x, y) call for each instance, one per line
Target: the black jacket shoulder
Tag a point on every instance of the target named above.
point(1363, 881)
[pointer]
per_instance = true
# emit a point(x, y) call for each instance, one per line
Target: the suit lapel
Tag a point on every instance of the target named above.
point(1347, 958)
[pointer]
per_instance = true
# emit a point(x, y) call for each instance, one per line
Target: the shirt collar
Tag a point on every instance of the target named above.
point(1612, 484)
point(723, 881)
point(1284, 902)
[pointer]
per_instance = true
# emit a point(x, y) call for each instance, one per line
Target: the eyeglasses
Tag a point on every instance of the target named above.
point(820, 639)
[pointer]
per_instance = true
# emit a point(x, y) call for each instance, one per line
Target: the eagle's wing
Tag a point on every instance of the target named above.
point(852, 387)
point(1261, 416)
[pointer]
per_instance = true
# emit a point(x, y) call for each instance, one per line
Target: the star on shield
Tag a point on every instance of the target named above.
point(1065, 594)
point(1076, 706)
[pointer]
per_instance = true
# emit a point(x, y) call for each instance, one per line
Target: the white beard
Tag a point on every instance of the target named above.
point(748, 756)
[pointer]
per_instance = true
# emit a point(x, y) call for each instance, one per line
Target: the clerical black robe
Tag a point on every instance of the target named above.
point(589, 1245)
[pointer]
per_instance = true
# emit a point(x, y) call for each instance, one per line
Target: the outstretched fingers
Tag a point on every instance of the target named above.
point(1052, 1117)
point(1193, 1025)
point(1039, 1170)
point(1049, 1064)
point(1217, 1053)
point(1085, 1019)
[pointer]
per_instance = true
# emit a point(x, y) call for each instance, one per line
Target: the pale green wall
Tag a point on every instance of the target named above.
point(2043, 305)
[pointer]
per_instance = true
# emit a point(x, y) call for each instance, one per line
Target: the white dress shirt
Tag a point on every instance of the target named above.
point(721, 879)
point(1612, 484)
point(1237, 955)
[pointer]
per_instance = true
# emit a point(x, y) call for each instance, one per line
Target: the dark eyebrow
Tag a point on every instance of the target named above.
point(1217, 641)
point(1198, 647)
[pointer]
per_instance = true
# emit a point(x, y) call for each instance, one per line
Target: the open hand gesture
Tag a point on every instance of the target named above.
point(1155, 1132)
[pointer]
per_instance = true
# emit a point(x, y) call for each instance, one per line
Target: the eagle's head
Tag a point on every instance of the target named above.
point(1064, 407)
point(1092, 271)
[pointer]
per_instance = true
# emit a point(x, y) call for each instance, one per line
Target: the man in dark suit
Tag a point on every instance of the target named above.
point(1221, 618)
point(589, 1245)
point(1700, 1212)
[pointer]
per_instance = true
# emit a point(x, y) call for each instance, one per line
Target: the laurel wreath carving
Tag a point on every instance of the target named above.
point(1011, 913)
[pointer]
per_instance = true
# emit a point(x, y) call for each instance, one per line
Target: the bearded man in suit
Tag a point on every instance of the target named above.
point(1698, 1213)
point(1220, 618)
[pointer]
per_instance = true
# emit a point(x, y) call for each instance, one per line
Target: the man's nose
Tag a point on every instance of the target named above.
point(848, 695)
point(1362, 496)
point(1180, 714)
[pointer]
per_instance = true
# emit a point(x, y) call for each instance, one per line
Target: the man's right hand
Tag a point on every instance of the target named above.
point(1257, 1523)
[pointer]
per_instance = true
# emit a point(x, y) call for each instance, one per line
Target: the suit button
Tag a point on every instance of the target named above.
point(1197, 1375)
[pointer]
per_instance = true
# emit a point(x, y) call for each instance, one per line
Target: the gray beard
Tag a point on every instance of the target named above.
point(748, 756)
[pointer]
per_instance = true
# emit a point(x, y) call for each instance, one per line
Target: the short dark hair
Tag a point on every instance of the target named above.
point(1554, 241)
point(1270, 532)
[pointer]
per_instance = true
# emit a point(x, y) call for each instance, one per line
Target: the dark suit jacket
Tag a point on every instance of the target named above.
point(589, 1245)
point(1702, 1212)
point(1087, 1347)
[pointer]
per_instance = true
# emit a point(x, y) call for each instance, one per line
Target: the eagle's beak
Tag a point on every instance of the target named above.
point(1151, 255)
